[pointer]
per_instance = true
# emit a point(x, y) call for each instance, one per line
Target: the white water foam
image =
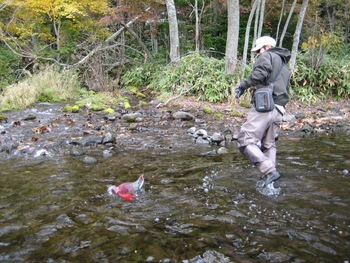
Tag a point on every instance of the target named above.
point(268, 190)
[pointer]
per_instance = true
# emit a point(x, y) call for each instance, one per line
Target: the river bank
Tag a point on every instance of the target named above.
point(45, 129)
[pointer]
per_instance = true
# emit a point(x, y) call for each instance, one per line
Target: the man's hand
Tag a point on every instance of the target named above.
point(239, 91)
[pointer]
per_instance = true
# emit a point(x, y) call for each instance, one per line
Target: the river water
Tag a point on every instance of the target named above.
point(194, 208)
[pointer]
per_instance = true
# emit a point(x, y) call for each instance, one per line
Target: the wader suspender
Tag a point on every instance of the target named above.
point(280, 70)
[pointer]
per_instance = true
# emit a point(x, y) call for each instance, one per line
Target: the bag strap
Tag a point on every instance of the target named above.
point(279, 72)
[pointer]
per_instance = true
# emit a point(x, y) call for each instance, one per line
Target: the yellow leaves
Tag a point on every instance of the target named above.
point(324, 40)
point(37, 17)
point(57, 9)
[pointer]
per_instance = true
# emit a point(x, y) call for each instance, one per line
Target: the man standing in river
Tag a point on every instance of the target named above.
point(257, 137)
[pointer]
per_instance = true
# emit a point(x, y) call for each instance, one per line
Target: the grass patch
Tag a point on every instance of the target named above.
point(49, 85)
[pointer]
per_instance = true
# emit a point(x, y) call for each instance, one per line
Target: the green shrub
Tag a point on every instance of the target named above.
point(196, 74)
point(141, 75)
point(330, 80)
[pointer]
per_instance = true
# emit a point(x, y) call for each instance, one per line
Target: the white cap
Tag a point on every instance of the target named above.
point(263, 41)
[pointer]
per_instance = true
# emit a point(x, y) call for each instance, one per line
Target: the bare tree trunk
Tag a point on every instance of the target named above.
point(232, 35)
point(154, 39)
point(297, 33)
point(57, 27)
point(215, 5)
point(287, 22)
point(247, 31)
point(261, 20)
point(198, 18)
point(173, 31)
point(256, 22)
point(197, 25)
point(331, 16)
point(280, 20)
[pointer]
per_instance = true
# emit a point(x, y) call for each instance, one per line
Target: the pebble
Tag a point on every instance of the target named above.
point(89, 160)
point(107, 153)
point(41, 152)
point(222, 150)
point(150, 259)
point(345, 172)
point(76, 151)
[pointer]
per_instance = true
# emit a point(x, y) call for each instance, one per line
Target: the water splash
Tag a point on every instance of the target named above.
point(268, 190)
point(110, 190)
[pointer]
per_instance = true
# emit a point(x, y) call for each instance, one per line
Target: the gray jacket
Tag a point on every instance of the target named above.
point(266, 68)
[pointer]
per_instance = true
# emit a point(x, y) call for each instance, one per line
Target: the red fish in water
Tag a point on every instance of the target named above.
point(128, 190)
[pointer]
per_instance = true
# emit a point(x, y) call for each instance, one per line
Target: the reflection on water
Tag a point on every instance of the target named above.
point(59, 210)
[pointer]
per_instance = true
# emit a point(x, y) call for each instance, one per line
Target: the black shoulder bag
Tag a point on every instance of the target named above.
point(263, 97)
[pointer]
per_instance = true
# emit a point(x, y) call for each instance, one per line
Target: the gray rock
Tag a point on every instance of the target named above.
point(132, 117)
point(210, 153)
point(222, 150)
point(210, 256)
point(182, 115)
point(201, 140)
point(91, 140)
point(288, 118)
point(89, 160)
point(108, 138)
point(76, 151)
point(106, 153)
point(306, 128)
point(41, 152)
point(111, 117)
point(29, 117)
point(217, 138)
point(191, 130)
point(63, 221)
point(235, 136)
point(201, 133)
point(300, 115)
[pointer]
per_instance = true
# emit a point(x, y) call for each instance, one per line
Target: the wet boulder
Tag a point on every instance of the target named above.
point(132, 117)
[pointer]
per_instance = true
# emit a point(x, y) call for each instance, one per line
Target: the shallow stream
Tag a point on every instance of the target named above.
point(194, 207)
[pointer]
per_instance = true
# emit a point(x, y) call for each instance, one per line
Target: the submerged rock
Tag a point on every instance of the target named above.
point(209, 256)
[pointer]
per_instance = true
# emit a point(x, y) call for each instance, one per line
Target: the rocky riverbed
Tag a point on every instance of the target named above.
point(199, 204)
point(45, 129)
